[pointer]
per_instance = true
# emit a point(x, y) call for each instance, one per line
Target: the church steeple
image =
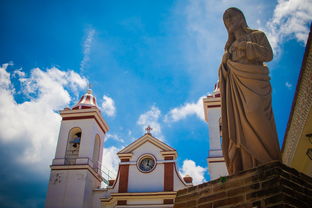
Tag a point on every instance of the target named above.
point(76, 168)
point(212, 109)
point(88, 100)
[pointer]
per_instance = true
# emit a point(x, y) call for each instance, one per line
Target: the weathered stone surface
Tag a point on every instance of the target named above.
point(270, 185)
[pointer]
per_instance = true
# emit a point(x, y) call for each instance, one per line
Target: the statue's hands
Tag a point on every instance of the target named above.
point(240, 45)
point(225, 57)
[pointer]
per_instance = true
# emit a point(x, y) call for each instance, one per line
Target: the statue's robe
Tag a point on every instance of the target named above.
point(249, 135)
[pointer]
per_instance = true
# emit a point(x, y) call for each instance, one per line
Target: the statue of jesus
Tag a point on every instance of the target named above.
point(249, 135)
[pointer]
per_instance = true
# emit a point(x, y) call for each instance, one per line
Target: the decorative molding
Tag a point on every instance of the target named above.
point(158, 162)
point(78, 167)
point(302, 104)
point(85, 114)
point(138, 196)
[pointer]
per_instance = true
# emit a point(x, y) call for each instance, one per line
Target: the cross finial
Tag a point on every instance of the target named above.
point(89, 88)
point(148, 129)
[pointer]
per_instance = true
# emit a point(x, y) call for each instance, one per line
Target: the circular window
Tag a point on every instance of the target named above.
point(146, 163)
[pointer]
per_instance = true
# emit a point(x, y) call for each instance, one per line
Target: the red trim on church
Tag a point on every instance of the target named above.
point(88, 99)
point(216, 161)
point(123, 180)
point(168, 176)
point(214, 106)
point(84, 117)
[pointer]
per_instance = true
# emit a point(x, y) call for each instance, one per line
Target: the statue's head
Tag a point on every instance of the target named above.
point(234, 19)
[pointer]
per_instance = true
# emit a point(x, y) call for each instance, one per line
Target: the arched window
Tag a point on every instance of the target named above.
point(73, 146)
point(96, 153)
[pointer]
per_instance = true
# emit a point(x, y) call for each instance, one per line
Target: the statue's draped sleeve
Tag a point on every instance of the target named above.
point(258, 47)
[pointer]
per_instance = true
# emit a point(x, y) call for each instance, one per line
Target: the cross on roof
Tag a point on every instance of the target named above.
point(148, 129)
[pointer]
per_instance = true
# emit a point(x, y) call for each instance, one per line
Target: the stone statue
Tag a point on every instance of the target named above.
point(249, 135)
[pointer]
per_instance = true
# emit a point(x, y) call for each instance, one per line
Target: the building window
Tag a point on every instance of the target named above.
point(73, 146)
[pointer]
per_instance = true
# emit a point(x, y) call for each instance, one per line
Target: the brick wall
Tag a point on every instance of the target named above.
point(270, 185)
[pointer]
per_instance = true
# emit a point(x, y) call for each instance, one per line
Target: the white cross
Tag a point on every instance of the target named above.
point(148, 129)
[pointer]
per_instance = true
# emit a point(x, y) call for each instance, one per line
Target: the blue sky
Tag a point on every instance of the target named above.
point(149, 62)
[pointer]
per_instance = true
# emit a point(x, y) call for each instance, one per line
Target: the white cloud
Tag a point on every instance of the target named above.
point(110, 160)
point(288, 85)
point(5, 81)
point(179, 113)
point(196, 172)
point(87, 49)
point(108, 106)
point(151, 118)
point(291, 18)
point(18, 73)
point(34, 124)
point(114, 137)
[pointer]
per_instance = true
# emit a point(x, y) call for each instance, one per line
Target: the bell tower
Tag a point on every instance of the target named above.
point(76, 168)
point(212, 109)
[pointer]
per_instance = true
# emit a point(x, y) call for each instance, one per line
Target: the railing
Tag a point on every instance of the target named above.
point(105, 173)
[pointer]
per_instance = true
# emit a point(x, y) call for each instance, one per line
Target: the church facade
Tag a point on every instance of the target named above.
point(147, 174)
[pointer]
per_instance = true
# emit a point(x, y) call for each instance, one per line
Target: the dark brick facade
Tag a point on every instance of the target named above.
point(168, 176)
point(268, 186)
point(123, 181)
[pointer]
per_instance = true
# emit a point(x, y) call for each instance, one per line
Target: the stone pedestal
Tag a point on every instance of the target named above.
point(269, 185)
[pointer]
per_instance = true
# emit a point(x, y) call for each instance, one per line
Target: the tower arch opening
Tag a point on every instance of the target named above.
point(73, 146)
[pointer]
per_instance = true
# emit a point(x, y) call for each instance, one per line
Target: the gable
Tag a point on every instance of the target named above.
point(146, 138)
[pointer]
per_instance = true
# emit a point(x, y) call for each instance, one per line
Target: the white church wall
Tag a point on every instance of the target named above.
point(56, 190)
point(76, 183)
point(217, 169)
point(62, 143)
point(177, 183)
point(89, 130)
point(96, 195)
point(146, 182)
point(91, 184)
point(149, 182)
point(216, 164)
point(149, 148)
point(60, 181)
point(214, 115)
